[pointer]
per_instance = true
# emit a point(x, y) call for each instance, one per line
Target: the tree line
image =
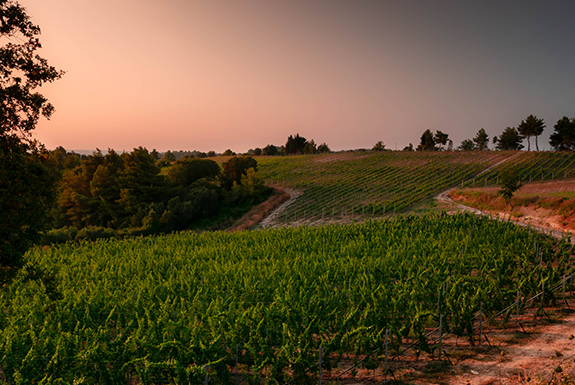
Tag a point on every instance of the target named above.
point(130, 194)
point(562, 139)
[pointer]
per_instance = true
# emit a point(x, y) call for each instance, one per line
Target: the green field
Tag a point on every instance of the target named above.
point(176, 309)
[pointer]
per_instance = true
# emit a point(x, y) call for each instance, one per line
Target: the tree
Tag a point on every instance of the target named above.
point(310, 147)
point(441, 138)
point(481, 140)
point(169, 157)
point(257, 151)
point(427, 142)
point(323, 148)
point(379, 146)
point(26, 184)
point(467, 145)
point(295, 144)
point(186, 171)
point(563, 139)
point(270, 150)
point(235, 167)
point(531, 126)
point(508, 140)
point(228, 152)
point(141, 184)
point(509, 182)
point(408, 148)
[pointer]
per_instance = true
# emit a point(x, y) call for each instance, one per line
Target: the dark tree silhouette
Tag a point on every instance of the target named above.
point(270, 149)
point(379, 146)
point(481, 140)
point(467, 145)
point(563, 138)
point(441, 138)
point(427, 142)
point(295, 144)
point(508, 140)
point(531, 126)
point(26, 184)
point(323, 148)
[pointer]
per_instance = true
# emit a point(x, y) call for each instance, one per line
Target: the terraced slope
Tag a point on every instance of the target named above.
point(358, 185)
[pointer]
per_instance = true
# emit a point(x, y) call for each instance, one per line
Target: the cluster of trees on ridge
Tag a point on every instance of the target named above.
point(562, 139)
point(295, 145)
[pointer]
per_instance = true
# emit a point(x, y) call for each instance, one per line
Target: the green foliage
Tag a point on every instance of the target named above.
point(270, 149)
point(186, 171)
point(563, 138)
point(161, 309)
point(126, 195)
point(234, 168)
point(26, 184)
point(26, 196)
point(510, 182)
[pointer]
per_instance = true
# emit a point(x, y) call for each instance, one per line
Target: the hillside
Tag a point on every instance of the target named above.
point(352, 186)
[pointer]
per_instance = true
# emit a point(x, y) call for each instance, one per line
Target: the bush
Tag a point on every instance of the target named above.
point(61, 235)
point(95, 232)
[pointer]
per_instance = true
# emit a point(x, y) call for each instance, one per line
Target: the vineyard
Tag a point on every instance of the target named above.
point(532, 167)
point(248, 306)
point(358, 185)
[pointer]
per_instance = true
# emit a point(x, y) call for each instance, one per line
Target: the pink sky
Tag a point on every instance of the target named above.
point(212, 75)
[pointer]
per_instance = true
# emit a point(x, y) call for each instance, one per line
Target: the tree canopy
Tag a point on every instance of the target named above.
point(481, 140)
point(441, 138)
point(508, 140)
point(467, 145)
point(26, 184)
point(563, 137)
point(379, 146)
point(427, 142)
point(295, 144)
point(531, 126)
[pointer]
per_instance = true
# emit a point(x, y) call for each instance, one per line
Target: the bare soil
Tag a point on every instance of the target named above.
point(263, 210)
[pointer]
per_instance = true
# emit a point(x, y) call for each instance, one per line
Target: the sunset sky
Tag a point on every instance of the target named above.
point(211, 74)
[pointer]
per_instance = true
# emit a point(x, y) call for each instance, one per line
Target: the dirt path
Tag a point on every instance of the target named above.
point(546, 353)
point(271, 220)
